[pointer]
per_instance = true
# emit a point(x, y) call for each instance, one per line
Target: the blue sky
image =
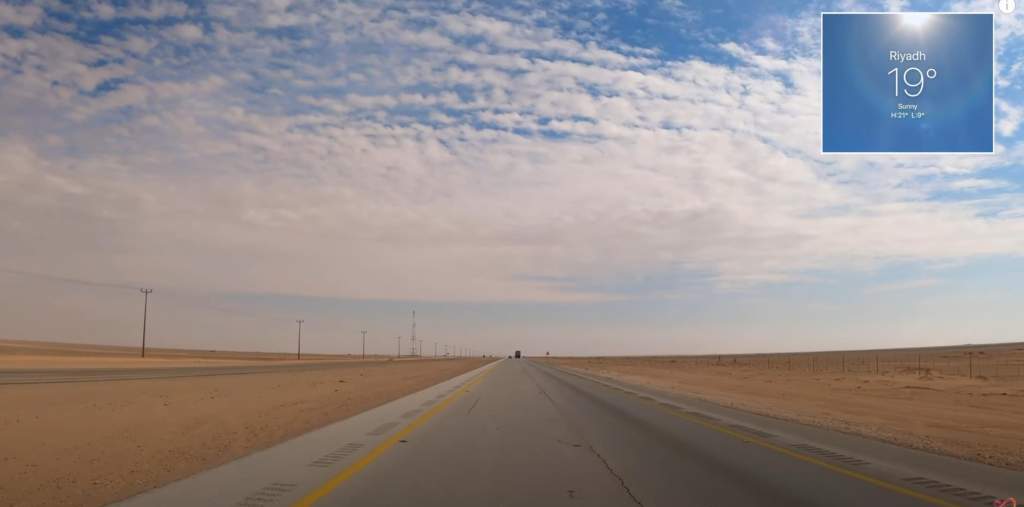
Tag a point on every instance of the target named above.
point(587, 177)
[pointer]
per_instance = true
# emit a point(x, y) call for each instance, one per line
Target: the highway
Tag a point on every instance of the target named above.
point(520, 433)
point(64, 375)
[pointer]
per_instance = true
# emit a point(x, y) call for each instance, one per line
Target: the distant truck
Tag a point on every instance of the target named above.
point(518, 354)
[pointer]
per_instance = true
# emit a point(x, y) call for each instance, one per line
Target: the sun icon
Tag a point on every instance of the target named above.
point(916, 20)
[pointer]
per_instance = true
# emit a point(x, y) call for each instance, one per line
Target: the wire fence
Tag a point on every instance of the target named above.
point(1001, 361)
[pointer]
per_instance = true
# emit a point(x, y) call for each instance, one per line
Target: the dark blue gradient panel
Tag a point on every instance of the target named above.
point(907, 83)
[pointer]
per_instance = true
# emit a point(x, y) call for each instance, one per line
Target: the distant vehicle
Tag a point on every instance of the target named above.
point(518, 355)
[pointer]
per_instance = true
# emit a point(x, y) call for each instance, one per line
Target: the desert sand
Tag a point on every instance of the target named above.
point(93, 443)
point(21, 354)
point(976, 418)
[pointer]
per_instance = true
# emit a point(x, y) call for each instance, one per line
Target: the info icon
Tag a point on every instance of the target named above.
point(910, 82)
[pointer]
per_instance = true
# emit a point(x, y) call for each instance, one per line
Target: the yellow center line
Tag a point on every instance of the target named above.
point(381, 448)
point(793, 454)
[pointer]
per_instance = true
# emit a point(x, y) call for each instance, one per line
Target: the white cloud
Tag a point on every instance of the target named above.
point(896, 5)
point(406, 162)
point(920, 283)
point(186, 32)
point(138, 45)
point(156, 10)
point(104, 10)
point(148, 10)
point(978, 184)
point(20, 15)
point(1009, 118)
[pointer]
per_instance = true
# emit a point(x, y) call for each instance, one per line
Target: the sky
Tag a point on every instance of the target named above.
point(585, 177)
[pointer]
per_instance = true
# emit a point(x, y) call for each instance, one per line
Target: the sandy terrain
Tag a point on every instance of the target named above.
point(971, 418)
point(15, 354)
point(1001, 360)
point(93, 443)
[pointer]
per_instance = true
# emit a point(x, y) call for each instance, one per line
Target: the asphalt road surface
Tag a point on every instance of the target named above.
point(518, 433)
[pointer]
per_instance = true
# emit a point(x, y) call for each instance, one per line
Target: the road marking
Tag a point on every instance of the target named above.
point(268, 493)
point(372, 456)
point(383, 428)
point(680, 413)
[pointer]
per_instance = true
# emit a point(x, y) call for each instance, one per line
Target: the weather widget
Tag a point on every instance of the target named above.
point(907, 82)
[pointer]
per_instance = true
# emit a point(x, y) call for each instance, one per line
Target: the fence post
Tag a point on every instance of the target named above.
point(876, 364)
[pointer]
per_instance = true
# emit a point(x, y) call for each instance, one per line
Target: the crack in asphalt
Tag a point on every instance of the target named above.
point(622, 482)
point(608, 466)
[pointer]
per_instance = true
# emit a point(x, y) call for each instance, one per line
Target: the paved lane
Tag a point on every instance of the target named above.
point(504, 443)
point(518, 433)
point(529, 435)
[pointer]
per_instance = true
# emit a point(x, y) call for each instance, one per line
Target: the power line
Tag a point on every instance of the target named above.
point(185, 297)
point(124, 286)
point(68, 279)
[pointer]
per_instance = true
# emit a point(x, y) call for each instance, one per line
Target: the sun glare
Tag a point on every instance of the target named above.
point(915, 20)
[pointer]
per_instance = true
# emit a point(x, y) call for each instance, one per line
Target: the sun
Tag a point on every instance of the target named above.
point(916, 20)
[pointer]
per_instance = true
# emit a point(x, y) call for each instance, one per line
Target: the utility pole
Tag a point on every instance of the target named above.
point(298, 352)
point(421, 348)
point(413, 338)
point(399, 346)
point(435, 350)
point(364, 344)
point(145, 311)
